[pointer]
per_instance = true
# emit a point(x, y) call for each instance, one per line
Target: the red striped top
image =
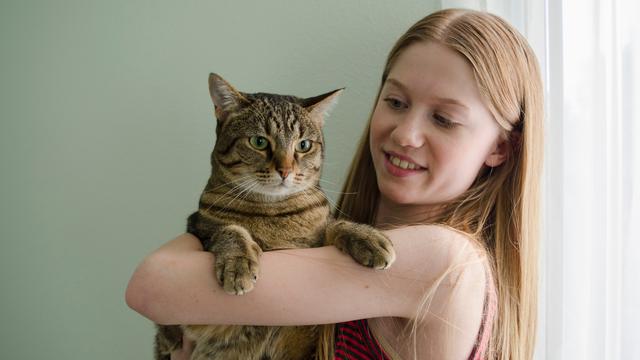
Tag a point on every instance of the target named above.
point(354, 340)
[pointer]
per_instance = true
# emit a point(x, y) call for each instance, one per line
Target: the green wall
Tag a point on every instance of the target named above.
point(106, 128)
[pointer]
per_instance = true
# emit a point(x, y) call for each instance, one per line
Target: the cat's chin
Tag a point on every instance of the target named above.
point(277, 193)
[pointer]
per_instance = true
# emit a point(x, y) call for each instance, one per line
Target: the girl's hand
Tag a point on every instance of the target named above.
point(185, 352)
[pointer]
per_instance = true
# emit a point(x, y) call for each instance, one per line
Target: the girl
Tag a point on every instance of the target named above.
point(449, 167)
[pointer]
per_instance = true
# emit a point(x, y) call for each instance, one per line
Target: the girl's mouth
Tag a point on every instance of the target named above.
point(401, 167)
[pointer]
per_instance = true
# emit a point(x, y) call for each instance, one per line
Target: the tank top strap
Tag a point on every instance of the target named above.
point(488, 317)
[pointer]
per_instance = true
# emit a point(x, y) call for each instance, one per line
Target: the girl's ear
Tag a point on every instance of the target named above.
point(501, 150)
point(498, 154)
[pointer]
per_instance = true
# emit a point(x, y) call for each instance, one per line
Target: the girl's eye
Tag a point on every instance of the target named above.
point(395, 103)
point(303, 146)
point(259, 142)
point(443, 121)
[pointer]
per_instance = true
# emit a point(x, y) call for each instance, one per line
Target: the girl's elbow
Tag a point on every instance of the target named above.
point(141, 294)
point(135, 298)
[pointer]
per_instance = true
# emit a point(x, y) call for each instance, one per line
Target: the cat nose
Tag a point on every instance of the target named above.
point(284, 172)
point(283, 162)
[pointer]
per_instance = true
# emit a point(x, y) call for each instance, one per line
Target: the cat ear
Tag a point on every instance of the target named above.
point(320, 106)
point(225, 97)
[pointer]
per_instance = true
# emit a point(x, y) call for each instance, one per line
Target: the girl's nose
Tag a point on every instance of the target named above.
point(409, 131)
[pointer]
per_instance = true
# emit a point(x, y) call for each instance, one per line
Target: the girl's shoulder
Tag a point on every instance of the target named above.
point(452, 283)
point(450, 268)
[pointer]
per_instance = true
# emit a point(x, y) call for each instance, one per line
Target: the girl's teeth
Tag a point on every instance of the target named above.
point(402, 163)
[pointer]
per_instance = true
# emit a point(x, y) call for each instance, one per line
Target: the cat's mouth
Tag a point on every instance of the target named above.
point(277, 184)
point(277, 189)
point(284, 184)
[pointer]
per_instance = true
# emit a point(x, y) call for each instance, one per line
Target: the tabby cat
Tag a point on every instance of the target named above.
point(263, 194)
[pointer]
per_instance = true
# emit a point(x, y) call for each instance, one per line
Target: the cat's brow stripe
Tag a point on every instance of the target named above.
point(225, 151)
point(270, 129)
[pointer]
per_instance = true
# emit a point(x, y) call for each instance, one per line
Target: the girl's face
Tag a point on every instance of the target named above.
point(430, 131)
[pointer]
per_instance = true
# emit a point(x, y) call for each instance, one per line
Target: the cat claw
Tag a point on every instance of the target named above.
point(375, 251)
point(236, 275)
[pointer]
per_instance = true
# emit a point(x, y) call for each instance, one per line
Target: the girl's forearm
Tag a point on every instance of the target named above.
point(176, 283)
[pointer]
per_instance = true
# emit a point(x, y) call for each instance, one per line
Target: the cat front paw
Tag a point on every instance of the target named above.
point(366, 245)
point(236, 260)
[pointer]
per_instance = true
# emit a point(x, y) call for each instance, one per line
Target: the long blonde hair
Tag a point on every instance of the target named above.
point(501, 208)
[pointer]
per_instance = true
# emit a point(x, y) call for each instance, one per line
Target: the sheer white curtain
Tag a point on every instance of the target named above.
point(593, 179)
point(589, 53)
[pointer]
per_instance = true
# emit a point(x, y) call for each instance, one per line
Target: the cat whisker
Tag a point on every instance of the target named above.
point(331, 163)
point(244, 191)
point(327, 181)
point(336, 192)
point(227, 183)
point(318, 196)
point(242, 184)
point(333, 204)
point(313, 199)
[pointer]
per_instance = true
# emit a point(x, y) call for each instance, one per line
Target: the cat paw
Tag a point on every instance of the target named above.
point(374, 250)
point(237, 274)
point(236, 255)
point(366, 245)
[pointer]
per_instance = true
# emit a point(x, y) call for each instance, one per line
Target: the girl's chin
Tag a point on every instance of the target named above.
point(400, 197)
point(411, 197)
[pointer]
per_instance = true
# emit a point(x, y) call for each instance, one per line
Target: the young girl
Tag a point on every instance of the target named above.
point(449, 167)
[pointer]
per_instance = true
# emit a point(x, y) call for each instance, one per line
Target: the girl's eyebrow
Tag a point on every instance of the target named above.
point(396, 83)
point(446, 101)
point(453, 102)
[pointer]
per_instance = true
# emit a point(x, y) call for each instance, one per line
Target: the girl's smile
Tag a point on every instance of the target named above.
point(401, 165)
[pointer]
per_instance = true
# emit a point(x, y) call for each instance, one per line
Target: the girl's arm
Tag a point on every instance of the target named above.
point(176, 284)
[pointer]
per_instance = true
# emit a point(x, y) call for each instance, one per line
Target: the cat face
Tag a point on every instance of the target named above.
point(268, 144)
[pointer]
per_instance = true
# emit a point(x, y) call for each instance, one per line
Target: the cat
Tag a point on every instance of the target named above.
point(263, 194)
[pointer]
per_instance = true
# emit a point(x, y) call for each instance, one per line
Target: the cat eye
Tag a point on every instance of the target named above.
point(303, 146)
point(259, 142)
